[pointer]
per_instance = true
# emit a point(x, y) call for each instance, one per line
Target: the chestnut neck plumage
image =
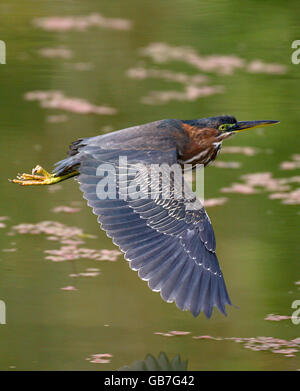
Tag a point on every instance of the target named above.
point(203, 145)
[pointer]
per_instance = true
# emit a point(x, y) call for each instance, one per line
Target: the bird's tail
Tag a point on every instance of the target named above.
point(72, 162)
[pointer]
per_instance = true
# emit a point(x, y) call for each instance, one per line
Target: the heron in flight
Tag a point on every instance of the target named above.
point(171, 246)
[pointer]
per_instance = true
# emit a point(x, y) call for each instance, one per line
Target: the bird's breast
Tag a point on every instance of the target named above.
point(200, 148)
point(203, 145)
point(200, 155)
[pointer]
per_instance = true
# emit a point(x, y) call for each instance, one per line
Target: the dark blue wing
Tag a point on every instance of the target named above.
point(171, 247)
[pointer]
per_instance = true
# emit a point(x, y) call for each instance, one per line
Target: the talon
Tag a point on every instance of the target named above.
point(31, 177)
point(40, 170)
point(43, 177)
point(36, 170)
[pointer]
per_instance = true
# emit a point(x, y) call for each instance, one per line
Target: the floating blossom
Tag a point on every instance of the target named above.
point(292, 198)
point(59, 52)
point(179, 332)
point(100, 358)
point(65, 209)
point(91, 272)
point(239, 188)
point(274, 345)
point(286, 352)
point(248, 151)
point(57, 100)
point(258, 66)
point(277, 318)
point(279, 186)
point(69, 288)
point(81, 23)
point(207, 337)
point(162, 52)
point(109, 255)
point(52, 229)
point(2, 225)
point(190, 94)
point(291, 165)
point(215, 201)
point(266, 181)
point(173, 333)
point(72, 252)
point(192, 88)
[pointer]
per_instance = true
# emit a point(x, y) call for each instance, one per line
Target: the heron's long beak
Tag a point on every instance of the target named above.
point(245, 125)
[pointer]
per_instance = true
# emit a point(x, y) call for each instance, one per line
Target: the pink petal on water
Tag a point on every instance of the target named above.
point(291, 165)
point(102, 355)
point(101, 358)
point(72, 251)
point(69, 288)
point(277, 318)
point(239, 188)
point(161, 52)
point(258, 66)
point(89, 274)
point(215, 201)
point(274, 345)
point(190, 94)
point(285, 351)
point(81, 23)
point(100, 361)
point(296, 340)
point(164, 334)
point(57, 100)
point(179, 332)
point(65, 209)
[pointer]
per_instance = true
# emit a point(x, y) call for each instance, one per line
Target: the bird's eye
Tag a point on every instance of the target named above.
point(224, 127)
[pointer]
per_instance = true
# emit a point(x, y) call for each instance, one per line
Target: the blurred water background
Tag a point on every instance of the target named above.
point(81, 68)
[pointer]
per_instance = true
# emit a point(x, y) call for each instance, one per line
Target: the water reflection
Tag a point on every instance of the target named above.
point(161, 363)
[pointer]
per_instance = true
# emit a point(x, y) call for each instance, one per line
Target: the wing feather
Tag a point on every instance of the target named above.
point(171, 247)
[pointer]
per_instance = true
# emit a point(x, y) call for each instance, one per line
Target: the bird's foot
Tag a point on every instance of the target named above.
point(39, 176)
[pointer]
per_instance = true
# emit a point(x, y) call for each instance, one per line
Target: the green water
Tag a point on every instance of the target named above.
point(257, 237)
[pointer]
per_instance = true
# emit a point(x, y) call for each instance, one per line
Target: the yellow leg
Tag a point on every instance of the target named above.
point(40, 176)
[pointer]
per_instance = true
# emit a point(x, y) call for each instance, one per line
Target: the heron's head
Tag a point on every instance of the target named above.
point(205, 136)
point(226, 124)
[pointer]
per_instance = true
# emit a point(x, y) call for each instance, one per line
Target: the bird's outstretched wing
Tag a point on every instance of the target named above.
point(171, 246)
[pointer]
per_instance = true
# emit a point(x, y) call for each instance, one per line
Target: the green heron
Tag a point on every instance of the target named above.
point(171, 247)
